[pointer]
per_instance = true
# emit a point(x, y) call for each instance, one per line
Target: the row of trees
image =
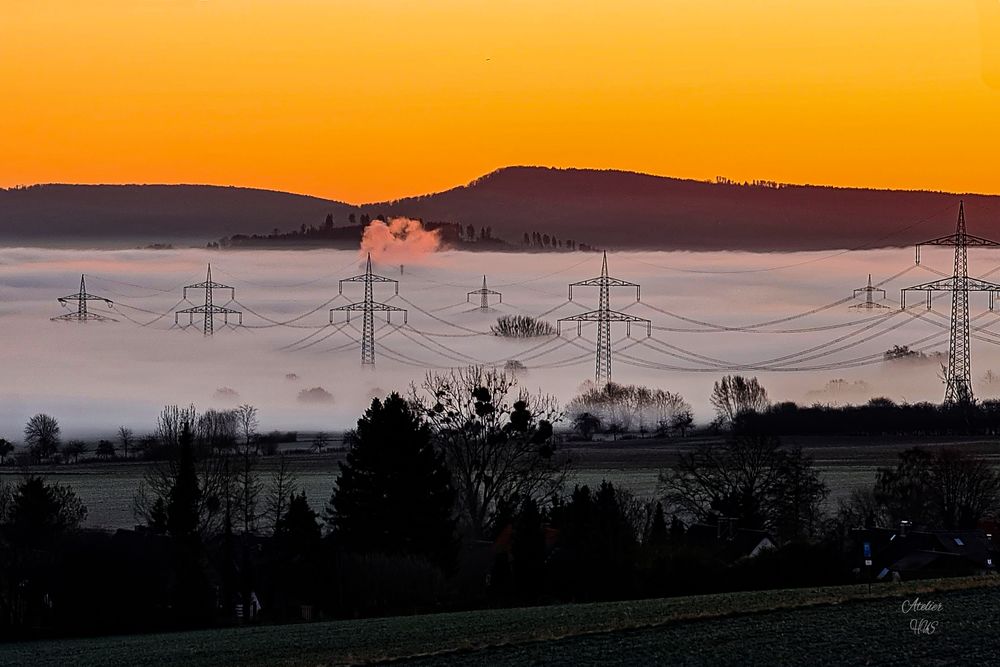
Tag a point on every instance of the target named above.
point(213, 430)
point(617, 408)
point(540, 240)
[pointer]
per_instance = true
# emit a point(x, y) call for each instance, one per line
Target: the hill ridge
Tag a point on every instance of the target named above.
point(611, 208)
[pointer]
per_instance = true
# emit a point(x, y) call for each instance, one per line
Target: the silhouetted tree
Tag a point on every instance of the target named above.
point(597, 542)
point(681, 422)
point(74, 449)
point(6, 449)
point(796, 505)
point(246, 419)
point(735, 395)
point(105, 449)
point(126, 438)
point(171, 421)
point(497, 440)
point(41, 434)
point(280, 490)
point(948, 489)
point(298, 529)
point(657, 535)
point(746, 478)
point(586, 425)
point(38, 511)
point(185, 495)
point(394, 493)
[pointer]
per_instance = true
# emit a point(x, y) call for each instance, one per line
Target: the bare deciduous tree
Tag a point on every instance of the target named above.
point(41, 434)
point(246, 418)
point(281, 488)
point(497, 440)
point(947, 488)
point(749, 478)
point(125, 437)
point(170, 422)
point(248, 488)
point(218, 429)
point(74, 449)
point(215, 481)
point(736, 395)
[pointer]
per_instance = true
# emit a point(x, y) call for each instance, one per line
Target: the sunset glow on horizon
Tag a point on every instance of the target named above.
point(364, 101)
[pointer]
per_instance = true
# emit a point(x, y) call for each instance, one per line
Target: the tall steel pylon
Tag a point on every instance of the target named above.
point(82, 313)
point(958, 376)
point(484, 295)
point(209, 310)
point(869, 303)
point(604, 316)
point(368, 308)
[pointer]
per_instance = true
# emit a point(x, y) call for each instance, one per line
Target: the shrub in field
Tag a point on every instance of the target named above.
point(521, 326)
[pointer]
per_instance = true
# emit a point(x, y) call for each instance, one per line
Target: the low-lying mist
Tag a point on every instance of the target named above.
point(96, 376)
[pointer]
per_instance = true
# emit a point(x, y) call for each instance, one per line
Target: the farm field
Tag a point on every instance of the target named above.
point(832, 625)
point(844, 463)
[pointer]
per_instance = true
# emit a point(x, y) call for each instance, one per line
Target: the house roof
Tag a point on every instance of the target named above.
point(742, 542)
point(917, 550)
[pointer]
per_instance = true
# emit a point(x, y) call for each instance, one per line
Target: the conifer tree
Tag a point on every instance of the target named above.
point(182, 505)
point(394, 493)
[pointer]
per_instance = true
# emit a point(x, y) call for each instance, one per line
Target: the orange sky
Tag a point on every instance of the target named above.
point(370, 99)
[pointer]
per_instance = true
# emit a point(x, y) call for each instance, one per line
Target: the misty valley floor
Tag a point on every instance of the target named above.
point(832, 625)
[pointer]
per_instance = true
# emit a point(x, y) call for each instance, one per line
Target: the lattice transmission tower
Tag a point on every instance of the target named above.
point(83, 313)
point(870, 303)
point(209, 310)
point(604, 316)
point(368, 308)
point(484, 296)
point(958, 376)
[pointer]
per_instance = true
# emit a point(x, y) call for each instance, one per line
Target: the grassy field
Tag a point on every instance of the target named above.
point(833, 625)
point(844, 463)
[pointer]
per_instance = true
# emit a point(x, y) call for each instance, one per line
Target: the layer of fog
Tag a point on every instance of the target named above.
point(95, 376)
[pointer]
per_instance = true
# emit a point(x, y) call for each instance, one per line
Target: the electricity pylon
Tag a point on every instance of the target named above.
point(869, 303)
point(368, 307)
point(82, 313)
point(958, 377)
point(209, 310)
point(484, 294)
point(604, 316)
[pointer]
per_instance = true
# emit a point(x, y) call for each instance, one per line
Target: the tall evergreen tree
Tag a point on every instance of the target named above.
point(657, 535)
point(182, 505)
point(394, 493)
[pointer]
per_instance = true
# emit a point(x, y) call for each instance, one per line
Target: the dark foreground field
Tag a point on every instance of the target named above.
point(835, 625)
